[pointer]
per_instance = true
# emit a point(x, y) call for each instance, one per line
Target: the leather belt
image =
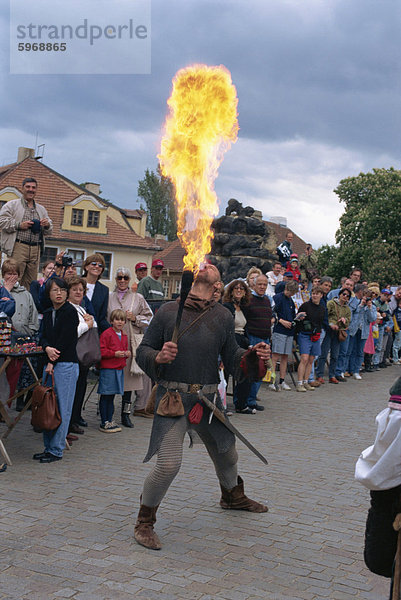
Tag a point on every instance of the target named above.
point(28, 243)
point(190, 388)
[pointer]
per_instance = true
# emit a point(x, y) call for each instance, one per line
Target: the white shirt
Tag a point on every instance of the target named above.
point(90, 288)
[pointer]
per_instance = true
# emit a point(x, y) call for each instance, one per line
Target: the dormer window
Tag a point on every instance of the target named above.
point(93, 218)
point(77, 217)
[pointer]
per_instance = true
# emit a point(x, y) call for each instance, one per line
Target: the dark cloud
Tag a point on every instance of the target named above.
point(327, 74)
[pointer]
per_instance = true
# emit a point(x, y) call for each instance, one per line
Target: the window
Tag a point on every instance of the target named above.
point(48, 254)
point(77, 217)
point(177, 286)
point(165, 284)
point(93, 218)
point(78, 258)
point(107, 269)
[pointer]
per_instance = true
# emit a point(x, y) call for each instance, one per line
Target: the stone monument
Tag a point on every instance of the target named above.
point(241, 241)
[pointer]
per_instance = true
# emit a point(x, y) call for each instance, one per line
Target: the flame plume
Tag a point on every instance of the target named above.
point(200, 127)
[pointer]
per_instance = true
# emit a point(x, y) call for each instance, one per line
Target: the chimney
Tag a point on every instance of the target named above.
point(24, 153)
point(93, 187)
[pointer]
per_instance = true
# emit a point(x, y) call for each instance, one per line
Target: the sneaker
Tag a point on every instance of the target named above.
point(109, 427)
point(357, 376)
point(246, 411)
point(309, 388)
point(320, 380)
point(341, 378)
point(274, 387)
point(300, 388)
point(284, 386)
point(258, 407)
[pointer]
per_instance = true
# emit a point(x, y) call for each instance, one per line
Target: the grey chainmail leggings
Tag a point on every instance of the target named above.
point(169, 458)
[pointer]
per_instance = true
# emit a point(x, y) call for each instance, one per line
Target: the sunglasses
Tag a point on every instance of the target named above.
point(121, 277)
point(346, 295)
point(96, 264)
point(143, 269)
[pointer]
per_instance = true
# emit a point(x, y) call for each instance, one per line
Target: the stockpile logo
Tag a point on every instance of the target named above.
point(80, 37)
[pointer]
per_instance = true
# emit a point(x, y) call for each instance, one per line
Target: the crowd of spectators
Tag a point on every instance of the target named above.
point(348, 330)
point(61, 307)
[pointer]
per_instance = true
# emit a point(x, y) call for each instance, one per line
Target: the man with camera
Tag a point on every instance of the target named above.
point(23, 223)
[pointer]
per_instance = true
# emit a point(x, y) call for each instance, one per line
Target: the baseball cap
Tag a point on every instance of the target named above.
point(288, 274)
point(386, 291)
point(140, 266)
point(157, 263)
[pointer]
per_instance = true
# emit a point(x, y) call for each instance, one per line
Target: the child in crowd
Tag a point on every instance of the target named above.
point(114, 350)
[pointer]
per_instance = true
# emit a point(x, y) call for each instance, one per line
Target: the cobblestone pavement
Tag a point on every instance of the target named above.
point(66, 529)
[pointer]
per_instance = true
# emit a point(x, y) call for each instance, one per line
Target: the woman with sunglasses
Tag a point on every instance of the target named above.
point(97, 292)
point(236, 296)
point(339, 316)
point(139, 316)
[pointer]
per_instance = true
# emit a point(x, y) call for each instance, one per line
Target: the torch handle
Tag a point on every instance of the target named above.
point(177, 323)
point(186, 284)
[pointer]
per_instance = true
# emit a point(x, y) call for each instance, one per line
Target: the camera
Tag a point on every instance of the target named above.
point(67, 261)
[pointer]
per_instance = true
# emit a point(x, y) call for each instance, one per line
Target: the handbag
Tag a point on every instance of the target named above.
point(88, 348)
point(45, 413)
point(341, 333)
point(136, 339)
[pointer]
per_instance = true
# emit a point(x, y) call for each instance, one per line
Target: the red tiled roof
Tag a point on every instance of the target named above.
point(6, 168)
point(54, 190)
point(135, 213)
point(172, 256)
point(298, 244)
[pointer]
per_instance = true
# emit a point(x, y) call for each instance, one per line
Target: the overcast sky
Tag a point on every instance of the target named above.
point(318, 84)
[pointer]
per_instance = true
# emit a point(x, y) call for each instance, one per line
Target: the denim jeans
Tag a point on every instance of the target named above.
point(342, 362)
point(330, 343)
point(378, 346)
point(65, 381)
point(396, 345)
point(355, 352)
point(256, 384)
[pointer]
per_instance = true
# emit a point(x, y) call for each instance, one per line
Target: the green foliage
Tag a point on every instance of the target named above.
point(157, 192)
point(369, 236)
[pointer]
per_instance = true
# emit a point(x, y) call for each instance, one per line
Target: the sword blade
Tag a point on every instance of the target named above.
point(217, 412)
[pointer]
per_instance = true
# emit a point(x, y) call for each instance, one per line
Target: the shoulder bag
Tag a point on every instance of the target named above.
point(88, 347)
point(341, 333)
point(45, 413)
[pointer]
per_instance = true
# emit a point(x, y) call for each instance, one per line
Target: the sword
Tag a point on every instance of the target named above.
point(217, 412)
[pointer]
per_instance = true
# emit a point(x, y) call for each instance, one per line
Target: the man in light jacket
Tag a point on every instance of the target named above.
point(23, 223)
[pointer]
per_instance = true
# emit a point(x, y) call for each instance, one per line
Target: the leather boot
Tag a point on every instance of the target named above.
point(125, 413)
point(144, 532)
point(235, 499)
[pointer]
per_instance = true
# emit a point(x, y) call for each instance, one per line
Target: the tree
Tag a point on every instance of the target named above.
point(370, 235)
point(157, 192)
point(327, 261)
